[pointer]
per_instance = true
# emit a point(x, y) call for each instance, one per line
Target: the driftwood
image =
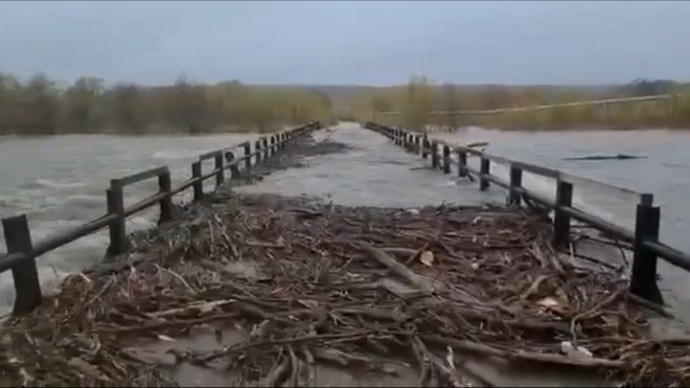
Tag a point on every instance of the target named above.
point(607, 157)
point(334, 284)
point(523, 356)
point(398, 269)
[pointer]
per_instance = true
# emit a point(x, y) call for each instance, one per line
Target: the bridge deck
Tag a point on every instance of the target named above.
point(250, 288)
point(372, 172)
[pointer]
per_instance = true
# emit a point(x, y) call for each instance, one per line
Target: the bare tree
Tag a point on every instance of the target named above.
point(126, 108)
point(417, 104)
point(37, 107)
point(84, 105)
point(451, 106)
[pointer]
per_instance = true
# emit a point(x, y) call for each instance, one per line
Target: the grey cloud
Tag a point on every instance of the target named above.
point(362, 42)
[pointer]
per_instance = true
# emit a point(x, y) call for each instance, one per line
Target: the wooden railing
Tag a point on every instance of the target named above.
point(21, 252)
point(644, 238)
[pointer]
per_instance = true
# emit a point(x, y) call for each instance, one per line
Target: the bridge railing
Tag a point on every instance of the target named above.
point(644, 238)
point(22, 252)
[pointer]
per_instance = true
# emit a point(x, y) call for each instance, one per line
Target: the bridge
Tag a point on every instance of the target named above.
point(297, 290)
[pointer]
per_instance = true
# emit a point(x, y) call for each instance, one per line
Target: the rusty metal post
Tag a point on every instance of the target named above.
point(25, 274)
point(165, 186)
point(561, 222)
point(643, 281)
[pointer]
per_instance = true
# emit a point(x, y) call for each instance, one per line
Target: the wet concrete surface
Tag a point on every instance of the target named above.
point(371, 171)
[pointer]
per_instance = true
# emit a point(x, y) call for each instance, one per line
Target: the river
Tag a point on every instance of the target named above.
point(60, 181)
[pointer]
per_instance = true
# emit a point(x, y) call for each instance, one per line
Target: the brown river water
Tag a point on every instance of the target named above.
point(60, 181)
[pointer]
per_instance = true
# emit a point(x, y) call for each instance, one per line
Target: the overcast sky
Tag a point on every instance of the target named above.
point(360, 42)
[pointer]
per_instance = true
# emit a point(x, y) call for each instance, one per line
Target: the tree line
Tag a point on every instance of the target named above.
point(413, 103)
point(37, 106)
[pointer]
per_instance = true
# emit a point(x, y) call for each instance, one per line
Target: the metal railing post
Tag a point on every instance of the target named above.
point(515, 182)
point(446, 159)
point(234, 170)
point(248, 159)
point(434, 155)
point(198, 185)
point(257, 147)
point(561, 222)
point(220, 177)
point(117, 232)
point(25, 274)
point(462, 163)
point(484, 169)
point(267, 150)
point(643, 281)
point(165, 186)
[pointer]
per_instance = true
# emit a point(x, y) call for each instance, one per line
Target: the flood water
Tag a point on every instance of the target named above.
point(60, 181)
point(664, 171)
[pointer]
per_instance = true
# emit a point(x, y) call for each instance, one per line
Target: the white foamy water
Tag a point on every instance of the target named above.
point(60, 181)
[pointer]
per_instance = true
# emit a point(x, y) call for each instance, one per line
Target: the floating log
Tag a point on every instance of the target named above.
point(607, 157)
point(478, 144)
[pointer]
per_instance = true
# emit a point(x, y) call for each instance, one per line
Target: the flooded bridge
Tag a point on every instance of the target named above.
point(283, 279)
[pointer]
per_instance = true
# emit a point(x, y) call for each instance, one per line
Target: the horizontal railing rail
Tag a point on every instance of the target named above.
point(22, 253)
point(644, 238)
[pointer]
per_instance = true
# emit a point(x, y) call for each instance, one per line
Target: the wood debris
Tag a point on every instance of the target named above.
point(336, 284)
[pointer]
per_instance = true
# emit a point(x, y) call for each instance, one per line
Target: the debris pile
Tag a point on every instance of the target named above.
point(306, 283)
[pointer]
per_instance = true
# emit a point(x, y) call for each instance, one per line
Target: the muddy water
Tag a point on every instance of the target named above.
point(60, 181)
